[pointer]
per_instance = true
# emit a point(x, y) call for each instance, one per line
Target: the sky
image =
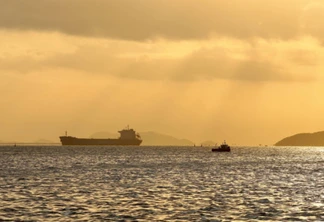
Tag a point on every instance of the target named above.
point(248, 71)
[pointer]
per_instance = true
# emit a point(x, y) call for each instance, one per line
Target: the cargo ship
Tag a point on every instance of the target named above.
point(128, 137)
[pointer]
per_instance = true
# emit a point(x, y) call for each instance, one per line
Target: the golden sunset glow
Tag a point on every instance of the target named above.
point(248, 71)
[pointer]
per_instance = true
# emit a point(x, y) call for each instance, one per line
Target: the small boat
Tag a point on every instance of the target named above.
point(222, 148)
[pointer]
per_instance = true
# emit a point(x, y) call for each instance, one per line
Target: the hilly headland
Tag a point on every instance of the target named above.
point(303, 139)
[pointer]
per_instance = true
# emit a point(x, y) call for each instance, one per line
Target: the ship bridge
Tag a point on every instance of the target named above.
point(128, 134)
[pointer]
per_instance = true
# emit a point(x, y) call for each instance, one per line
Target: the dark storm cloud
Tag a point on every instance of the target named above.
point(144, 19)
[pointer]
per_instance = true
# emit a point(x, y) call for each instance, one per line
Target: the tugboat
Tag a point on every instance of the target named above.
point(222, 148)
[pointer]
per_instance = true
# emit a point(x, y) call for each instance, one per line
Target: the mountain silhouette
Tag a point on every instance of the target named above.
point(156, 139)
point(303, 139)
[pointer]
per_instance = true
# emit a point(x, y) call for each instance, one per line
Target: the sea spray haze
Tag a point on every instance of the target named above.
point(161, 184)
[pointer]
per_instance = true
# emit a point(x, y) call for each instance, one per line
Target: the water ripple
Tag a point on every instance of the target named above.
point(161, 184)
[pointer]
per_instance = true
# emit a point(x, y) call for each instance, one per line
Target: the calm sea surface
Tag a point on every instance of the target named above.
point(161, 184)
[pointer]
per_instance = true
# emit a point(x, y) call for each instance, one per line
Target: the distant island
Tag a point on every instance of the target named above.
point(303, 139)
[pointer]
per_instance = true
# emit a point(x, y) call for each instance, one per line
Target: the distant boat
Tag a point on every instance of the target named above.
point(128, 137)
point(222, 148)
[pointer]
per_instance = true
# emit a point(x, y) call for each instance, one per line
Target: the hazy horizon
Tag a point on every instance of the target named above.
point(248, 71)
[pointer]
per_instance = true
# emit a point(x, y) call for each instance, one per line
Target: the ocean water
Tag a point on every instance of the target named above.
point(161, 184)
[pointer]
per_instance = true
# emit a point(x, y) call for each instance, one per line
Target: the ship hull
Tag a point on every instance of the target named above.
point(73, 141)
point(221, 150)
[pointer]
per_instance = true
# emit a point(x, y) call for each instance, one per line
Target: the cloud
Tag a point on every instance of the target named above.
point(186, 61)
point(312, 19)
point(147, 19)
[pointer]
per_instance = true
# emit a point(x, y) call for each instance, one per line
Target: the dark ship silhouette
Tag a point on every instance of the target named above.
point(222, 148)
point(128, 137)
